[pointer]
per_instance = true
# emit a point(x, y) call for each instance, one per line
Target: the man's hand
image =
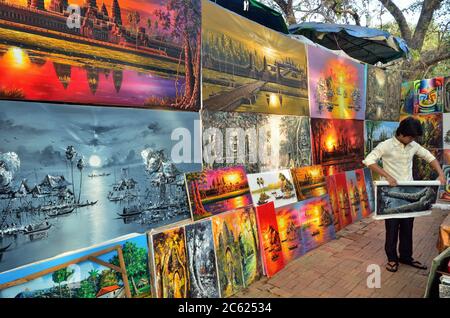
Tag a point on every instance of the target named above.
point(392, 182)
point(442, 179)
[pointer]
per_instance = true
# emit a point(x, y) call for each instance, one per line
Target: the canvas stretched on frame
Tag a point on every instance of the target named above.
point(424, 209)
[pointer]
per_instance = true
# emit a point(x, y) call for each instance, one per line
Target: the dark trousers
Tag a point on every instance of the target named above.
point(399, 229)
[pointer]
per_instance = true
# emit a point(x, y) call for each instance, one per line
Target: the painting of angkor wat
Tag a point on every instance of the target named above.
point(116, 52)
point(250, 68)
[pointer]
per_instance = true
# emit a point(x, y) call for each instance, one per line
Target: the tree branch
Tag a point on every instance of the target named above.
point(426, 15)
point(399, 18)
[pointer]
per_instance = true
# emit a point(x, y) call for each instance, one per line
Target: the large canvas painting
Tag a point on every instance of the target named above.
point(229, 263)
point(276, 186)
point(215, 191)
point(289, 225)
point(250, 68)
point(170, 264)
point(309, 182)
point(201, 260)
point(99, 172)
point(232, 138)
point(269, 236)
point(428, 95)
point(422, 170)
point(249, 245)
point(383, 94)
point(408, 199)
point(444, 190)
point(337, 85)
point(337, 143)
point(316, 217)
point(376, 132)
point(117, 52)
point(446, 132)
point(432, 130)
point(115, 269)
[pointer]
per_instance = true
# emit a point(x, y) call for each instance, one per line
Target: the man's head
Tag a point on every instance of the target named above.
point(408, 130)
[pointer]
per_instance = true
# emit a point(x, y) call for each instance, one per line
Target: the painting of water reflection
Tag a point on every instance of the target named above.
point(75, 176)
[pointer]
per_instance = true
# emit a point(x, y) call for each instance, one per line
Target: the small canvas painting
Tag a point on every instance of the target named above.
point(444, 190)
point(277, 187)
point(408, 199)
point(345, 212)
point(354, 195)
point(422, 170)
point(369, 188)
point(289, 225)
point(428, 95)
point(432, 130)
point(363, 193)
point(309, 182)
point(407, 98)
point(215, 191)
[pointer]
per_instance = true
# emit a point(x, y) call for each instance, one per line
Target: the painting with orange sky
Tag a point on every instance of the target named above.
point(120, 53)
point(337, 85)
point(337, 143)
point(309, 182)
point(354, 195)
point(332, 193)
point(343, 200)
point(364, 194)
point(289, 225)
point(212, 192)
point(269, 237)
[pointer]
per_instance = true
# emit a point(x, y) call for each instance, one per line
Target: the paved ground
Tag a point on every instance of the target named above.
point(338, 268)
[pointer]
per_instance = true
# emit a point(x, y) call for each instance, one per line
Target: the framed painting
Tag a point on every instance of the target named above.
point(337, 85)
point(212, 192)
point(114, 53)
point(408, 199)
point(276, 186)
point(250, 68)
point(99, 172)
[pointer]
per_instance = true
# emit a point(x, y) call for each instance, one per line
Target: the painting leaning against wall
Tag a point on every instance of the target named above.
point(125, 53)
point(446, 128)
point(100, 172)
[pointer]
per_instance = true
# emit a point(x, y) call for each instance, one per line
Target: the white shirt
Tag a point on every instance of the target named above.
point(398, 158)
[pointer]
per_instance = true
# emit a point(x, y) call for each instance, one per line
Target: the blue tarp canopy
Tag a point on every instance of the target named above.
point(364, 44)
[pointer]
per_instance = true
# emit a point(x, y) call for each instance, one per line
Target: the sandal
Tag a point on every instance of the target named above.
point(392, 266)
point(415, 264)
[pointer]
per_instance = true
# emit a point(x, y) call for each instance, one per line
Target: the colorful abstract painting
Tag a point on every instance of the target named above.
point(123, 52)
point(447, 94)
point(201, 260)
point(170, 265)
point(343, 199)
point(432, 130)
point(269, 236)
point(289, 226)
point(249, 245)
point(422, 170)
point(233, 138)
point(276, 186)
point(408, 199)
point(212, 192)
point(428, 95)
point(376, 132)
point(316, 217)
point(334, 201)
point(383, 94)
point(369, 188)
point(337, 142)
point(250, 68)
point(114, 269)
point(309, 182)
point(444, 190)
point(99, 172)
point(337, 85)
point(407, 98)
point(446, 130)
point(226, 229)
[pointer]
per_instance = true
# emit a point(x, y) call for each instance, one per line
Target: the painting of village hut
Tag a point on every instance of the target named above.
point(309, 182)
point(215, 191)
point(408, 199)
point(111, 270)
point(289, 226)
point(99, 172)
point(170, 264)
point(234, 138)
point(276, 186)
point(383, 94)
point(337, 85)
point(250, 68)
point(338, 145)
point(201, 260)
point(269, 236)
point(115, 52)
point(226, 229)
point(317, 225)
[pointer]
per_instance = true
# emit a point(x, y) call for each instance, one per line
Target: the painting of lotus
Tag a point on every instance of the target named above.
point(115, 53)
point(215, 191)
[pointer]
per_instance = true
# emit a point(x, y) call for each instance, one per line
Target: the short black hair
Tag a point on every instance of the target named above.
point(410, 127)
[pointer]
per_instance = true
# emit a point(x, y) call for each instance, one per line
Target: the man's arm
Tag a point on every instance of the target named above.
point(428, 157)
point(371, 161)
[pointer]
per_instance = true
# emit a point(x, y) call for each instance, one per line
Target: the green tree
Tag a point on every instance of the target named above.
point(108, 278)
point(61, 276)
point(87, 290)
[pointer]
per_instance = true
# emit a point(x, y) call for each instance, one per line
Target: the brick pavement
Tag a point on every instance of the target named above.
point(338, 268)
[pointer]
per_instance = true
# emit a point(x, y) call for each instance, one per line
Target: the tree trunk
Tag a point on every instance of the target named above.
point(189, 70)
